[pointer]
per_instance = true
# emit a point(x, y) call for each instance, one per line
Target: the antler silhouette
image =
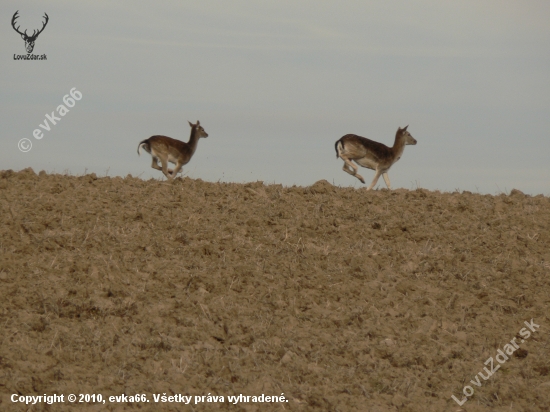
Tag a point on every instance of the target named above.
point(29, 40)
point(15, 16)
point(43, 26)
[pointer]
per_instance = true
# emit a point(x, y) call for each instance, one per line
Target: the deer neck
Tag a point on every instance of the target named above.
point(398, 146)
point(193, 139)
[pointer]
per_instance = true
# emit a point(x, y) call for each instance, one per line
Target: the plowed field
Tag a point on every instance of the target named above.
point(338, 298)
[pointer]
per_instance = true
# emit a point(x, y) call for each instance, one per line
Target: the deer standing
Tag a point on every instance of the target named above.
point(166, 150)
point(371, 154)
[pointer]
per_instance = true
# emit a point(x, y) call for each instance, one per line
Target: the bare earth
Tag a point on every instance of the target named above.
point(340, 299)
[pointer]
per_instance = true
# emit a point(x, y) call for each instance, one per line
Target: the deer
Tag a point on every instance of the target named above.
point(372, 155)
point(166, 150)
point(29, 40)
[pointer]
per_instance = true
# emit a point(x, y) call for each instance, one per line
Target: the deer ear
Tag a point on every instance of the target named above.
point(190, 124)
point(405, 128)
point(198, 122)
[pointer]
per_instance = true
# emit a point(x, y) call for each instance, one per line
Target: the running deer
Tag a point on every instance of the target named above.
point(166, 150)
point(371, 154)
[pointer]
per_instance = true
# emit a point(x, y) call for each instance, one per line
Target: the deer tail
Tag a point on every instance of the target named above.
point(145, 145)
point(338, 145)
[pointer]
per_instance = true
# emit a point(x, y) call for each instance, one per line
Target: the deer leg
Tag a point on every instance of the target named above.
point(376, 177)
point(165, 168)
point(351, 169)
point(168, 165)
point(387, 180)
point(177, 169)
point(155, 164)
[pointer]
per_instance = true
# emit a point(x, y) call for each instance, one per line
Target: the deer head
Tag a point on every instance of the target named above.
point(199, 130)
point(29, 40)
point(406, 136)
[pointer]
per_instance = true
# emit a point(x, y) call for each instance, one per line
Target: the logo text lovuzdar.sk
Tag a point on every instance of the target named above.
point(29, 39)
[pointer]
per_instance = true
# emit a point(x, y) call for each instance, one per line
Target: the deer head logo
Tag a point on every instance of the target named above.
point(29, 40)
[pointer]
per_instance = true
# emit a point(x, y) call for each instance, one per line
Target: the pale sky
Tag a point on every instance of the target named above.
point(276, 83)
